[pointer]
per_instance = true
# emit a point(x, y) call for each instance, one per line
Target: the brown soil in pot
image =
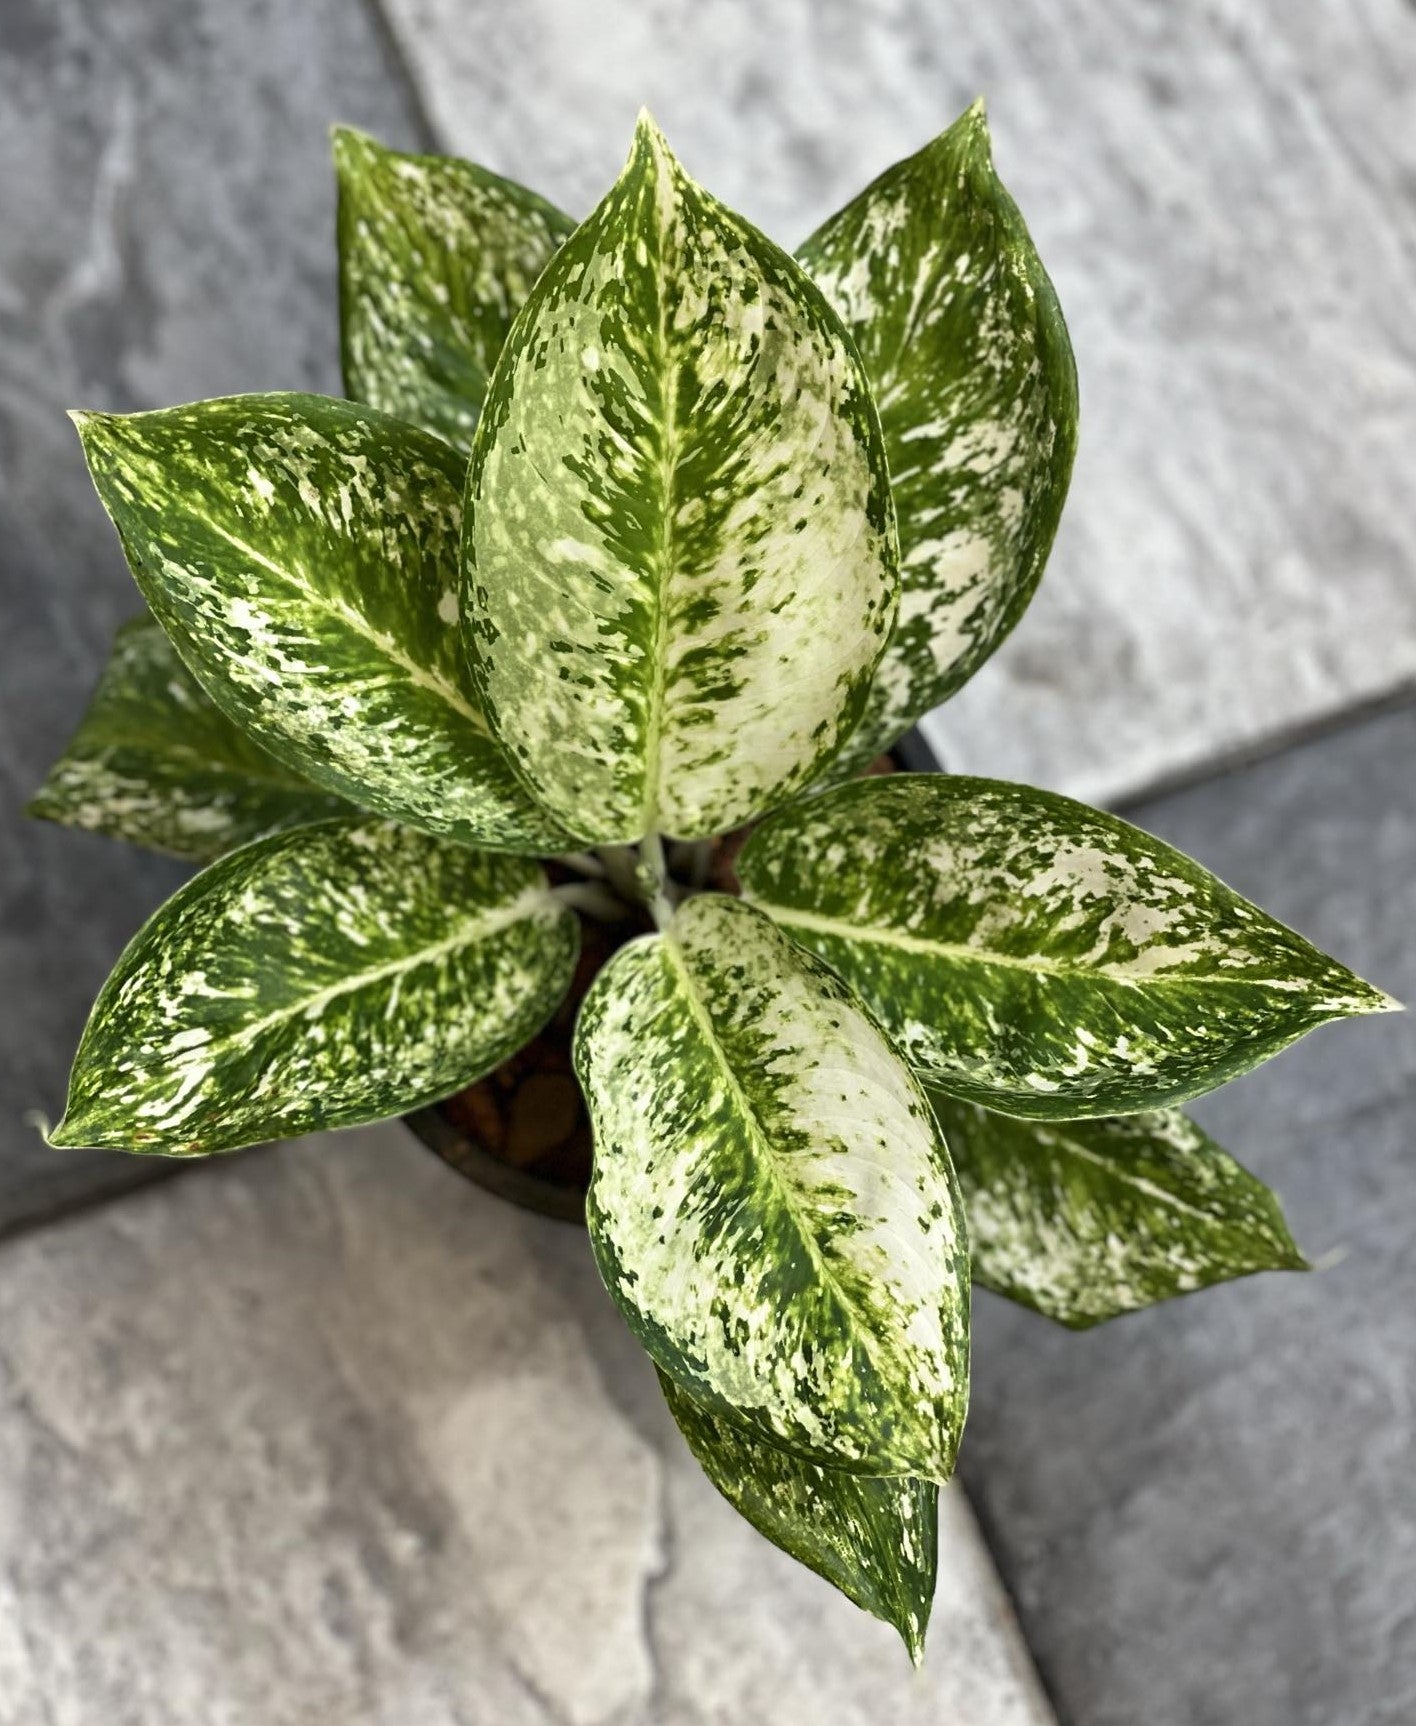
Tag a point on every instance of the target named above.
point(523, 1131)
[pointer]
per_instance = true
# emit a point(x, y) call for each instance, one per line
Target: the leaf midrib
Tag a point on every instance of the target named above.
point(482, 926)
point(704, 1021)
point(186, 754)
point(954, 950)
point(1072, 1147)
point(423, 676)
point(658, 661)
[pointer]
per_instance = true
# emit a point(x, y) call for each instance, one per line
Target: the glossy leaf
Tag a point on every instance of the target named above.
point(1083, 1220)
point(436, 257)
point(874, 1539)
point(1034, 955)
point(938, 281)
point(680, 549)
point(302, 555)
point(317, 978)
point(772, 1205)
point(157, 763)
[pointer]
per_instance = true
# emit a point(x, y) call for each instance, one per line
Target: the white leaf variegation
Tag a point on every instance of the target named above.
point(157, 763)
point(1084, 1220)
point(1034, 955)
point(334, 974)
point(301, 553)
point(876, 1539)
point(436, 257)
point(772, 1205)
point(937, 279)
point(680, 551)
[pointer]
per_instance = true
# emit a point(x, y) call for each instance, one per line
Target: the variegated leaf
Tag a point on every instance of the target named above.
point(317, 978)
point(157, 763)
point(772, 1205)
point(680, 556)
point(302, 555)
point(936, 277)
point(876, 1539)
point(1034, 955)
point(436, 256)
point(1083, 1220)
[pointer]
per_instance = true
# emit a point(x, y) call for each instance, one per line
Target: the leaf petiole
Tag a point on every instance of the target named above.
point(652, 880)
point(594, 899)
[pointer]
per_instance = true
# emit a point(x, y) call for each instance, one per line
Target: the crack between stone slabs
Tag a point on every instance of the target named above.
point(66, 1210)
point(988, 1533)
point(391, 45)
point(1267, 747)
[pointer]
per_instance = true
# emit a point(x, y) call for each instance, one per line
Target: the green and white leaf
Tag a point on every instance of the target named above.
point(772, 1205)
point(436, 257)
point(302, 555)
point(317, 978)
point(157, 763)
point(1034, 955)
point(681, 551)
point(1083, 1220)
point(937, 279)
point(876, 1539)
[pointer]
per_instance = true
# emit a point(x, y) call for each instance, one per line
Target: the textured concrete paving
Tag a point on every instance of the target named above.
point(167, 210)
point(324, 1436)
point(1226, 195)
point(328, 1435)
point(1206, 1512)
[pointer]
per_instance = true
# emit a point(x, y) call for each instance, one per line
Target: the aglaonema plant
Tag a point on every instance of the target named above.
point(632, 534)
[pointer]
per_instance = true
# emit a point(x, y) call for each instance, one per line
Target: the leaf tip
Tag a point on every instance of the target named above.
point(347, 144)
point(66, 1134)
point(970, 133)
point(651, 147)
point(1363, 997)
point(93, 428)
point(912, 1635)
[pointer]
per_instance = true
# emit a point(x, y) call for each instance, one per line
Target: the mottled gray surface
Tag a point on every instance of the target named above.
point(1206, 1511)
point(167, 210)
point(246, 1476)
point(1225, 194)
point(329, 1436)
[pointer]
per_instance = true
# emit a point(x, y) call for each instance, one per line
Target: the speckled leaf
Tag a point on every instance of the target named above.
point(937, 279)
point(876, 1539)
point(317, 978)
point(680, 556)
point(157, 763)
point(772, 1205)
point(1034, 955)
point(436, 256)
point(1085, 1220)
point(302, 555)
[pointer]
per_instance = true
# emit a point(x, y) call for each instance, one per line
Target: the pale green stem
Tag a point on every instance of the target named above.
point(584, 863)
point(621, 867)
point(653, 880)
point(592, 898)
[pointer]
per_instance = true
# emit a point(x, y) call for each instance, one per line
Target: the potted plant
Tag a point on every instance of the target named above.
point(635, 540)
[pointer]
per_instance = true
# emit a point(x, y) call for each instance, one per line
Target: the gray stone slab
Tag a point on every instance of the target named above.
point(327, 1435)
point(167, 211)
point(1226, 195)
point(1206, 1512)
